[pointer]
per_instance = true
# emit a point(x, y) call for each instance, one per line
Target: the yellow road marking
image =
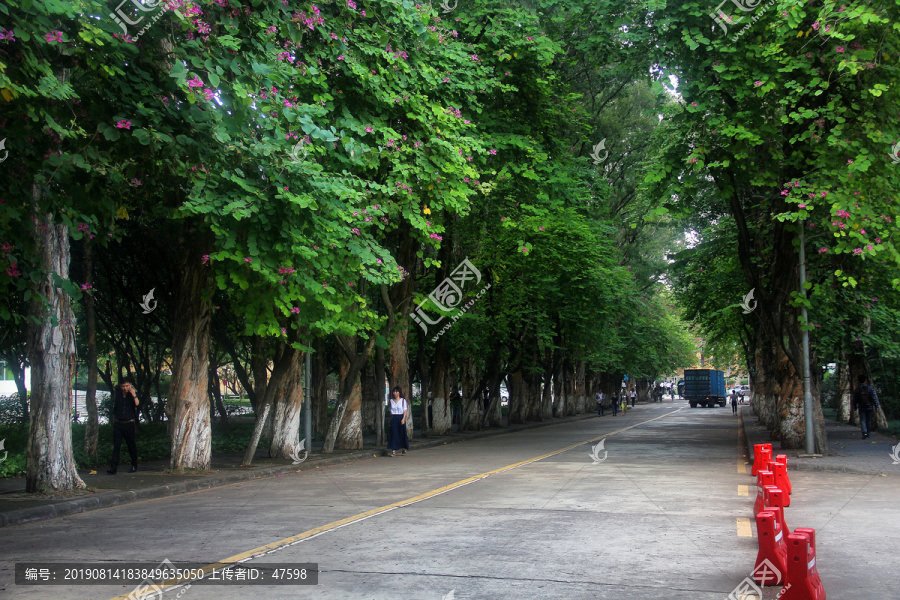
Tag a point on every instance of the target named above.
point(743, 527)
point(742, 467)
point(306, 535)
point(743, 490)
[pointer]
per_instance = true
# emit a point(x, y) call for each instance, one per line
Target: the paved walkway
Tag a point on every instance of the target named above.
point(849, 453)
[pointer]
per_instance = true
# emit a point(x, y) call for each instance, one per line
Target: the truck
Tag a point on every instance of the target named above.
point(704, 387)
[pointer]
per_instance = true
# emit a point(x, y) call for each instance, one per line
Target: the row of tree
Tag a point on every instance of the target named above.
point(289, 177)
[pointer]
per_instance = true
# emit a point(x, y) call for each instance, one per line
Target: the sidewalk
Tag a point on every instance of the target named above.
point(153, 480)
point(849, 453)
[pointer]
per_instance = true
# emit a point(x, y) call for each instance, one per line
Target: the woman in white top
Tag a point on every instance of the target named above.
point(398, 439)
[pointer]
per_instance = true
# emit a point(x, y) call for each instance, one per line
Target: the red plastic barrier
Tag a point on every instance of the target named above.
point(779, 514)
point(772, 550)
point(802, 580)
point(757, 457)
point(773, 496)
point(786, 484)
point(763, 478)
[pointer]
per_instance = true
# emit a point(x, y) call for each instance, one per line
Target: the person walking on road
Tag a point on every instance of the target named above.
point(865, 400)
point(733, 402)
point(398, 439)
point(633, 398)
point(124, 423)
point(600, 404)
point(614, 402)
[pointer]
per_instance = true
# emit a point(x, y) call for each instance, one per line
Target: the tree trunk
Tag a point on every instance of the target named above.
point(843, 391)
point(282, 365)
point(399, 355)
point(259, 365)
point(344, 427)
point(188, 404)
point(517, 398)
point(579, 387)
point(369, 399)
point(440, 390)
point(49, 461)
point(319, 387)
point(288, 405)
point(350, 433)
point(92, 430)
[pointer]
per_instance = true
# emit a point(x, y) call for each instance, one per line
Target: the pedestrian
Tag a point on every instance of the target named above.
point(124, 423)
point(600, 404)
point(614, 401)
point(633, 398)
point(865, 400)
point(734, 397)
point(398, 440)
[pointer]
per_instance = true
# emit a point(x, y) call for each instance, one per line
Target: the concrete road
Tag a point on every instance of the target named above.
point(526, 515)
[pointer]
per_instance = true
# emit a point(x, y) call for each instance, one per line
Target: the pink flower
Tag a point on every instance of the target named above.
point(6, 34)
point(83, 227)
point(784, 192)
point(492, 151)
point(195, 82)
point(248, 260)
point(283, 331)
point(849, 161)
point(475, 57)
point(802, 206)
point(204, 259)
point(351, 4)
point(295, 310)
point(839, 49)
point(341, 57)
point(86, 286)
point(757, 83)
point(693, 104)
point(815, 25)
point(862, 231)
point(877, 240)
point(123, 124)
point(53, 36)
point(13, 270)
point(857, 251)
point(369, 129)
point(868, 246)
point(355, 231)
point(823, 250)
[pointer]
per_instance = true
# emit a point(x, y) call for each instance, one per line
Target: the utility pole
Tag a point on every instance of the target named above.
point(807, 392)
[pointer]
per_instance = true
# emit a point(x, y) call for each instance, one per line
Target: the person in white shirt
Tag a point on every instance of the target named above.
point(398, 440)
point(633, 397)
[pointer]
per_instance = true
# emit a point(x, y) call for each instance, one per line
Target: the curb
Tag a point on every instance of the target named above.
point(807, 464)
point(118, 498)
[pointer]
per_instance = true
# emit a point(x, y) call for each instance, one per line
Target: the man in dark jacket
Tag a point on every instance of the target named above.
point(865, 400)
point(124, 419)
